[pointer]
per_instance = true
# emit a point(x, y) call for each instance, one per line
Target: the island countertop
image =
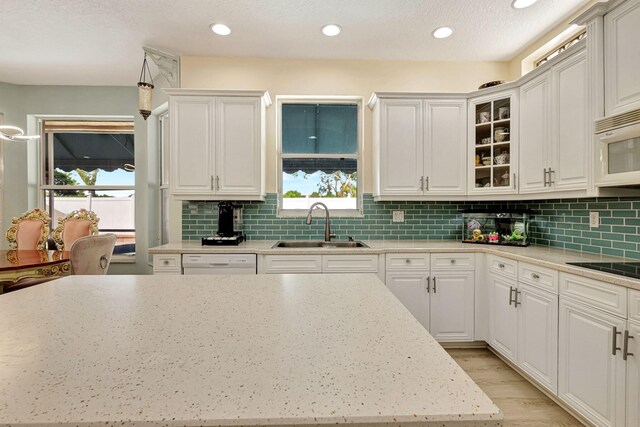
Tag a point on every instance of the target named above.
point(226, 350)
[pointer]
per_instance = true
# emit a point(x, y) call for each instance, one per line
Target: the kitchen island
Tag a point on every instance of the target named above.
point(226, 350)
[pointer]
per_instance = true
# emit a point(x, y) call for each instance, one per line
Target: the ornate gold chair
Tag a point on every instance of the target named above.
point(29, 231)
point(77, 224)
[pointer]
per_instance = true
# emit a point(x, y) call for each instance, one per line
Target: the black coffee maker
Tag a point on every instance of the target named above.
point(225, 219)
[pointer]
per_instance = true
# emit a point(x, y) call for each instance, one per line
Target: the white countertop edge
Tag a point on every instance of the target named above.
point(264, 247)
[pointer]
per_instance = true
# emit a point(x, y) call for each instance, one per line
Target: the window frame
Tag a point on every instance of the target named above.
point(311, 99)
point(45, 151)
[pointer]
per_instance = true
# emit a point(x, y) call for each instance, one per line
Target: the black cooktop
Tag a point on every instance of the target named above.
point(628, 269)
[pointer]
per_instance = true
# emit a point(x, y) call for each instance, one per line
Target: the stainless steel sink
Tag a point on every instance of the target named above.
point(317, 244)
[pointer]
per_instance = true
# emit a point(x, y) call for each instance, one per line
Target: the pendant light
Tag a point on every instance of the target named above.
point(145, 89)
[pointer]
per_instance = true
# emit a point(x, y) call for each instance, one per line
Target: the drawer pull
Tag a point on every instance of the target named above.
point(625, 351)
point(534, 276)
point(165, 262)
point(500, 265)
point(453, 261)
point(408, 261)
point(614, 341)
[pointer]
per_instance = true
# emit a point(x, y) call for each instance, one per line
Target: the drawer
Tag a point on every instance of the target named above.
point(349, 263)
point(605, 296)
point(453, 261)
point(293, 264)
point(404, 262)
point(540, 277)
point(504, 266)
point(167, 263)
point(634, 305)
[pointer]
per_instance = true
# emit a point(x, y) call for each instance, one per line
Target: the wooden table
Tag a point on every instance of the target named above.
point(19, 265)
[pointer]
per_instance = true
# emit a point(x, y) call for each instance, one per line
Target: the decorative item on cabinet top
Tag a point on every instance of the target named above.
point(499, 227)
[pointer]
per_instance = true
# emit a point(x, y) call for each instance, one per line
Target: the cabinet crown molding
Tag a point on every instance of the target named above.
point(598, 9)
point(213, 92)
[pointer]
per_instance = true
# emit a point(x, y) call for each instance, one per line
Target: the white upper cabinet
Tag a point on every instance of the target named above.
point(419, 147)
point(445, 169)
point(622, 58)
point(400, 148)
point(239, 146)
point(217, 144)
point(493, 144)
point(571, 138)
point(555, 140)
point(535, 135)
point(191, 145)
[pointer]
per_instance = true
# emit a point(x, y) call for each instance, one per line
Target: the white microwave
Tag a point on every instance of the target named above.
point(619, 145)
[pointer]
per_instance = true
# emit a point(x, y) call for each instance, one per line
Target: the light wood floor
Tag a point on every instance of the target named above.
point(521, 403)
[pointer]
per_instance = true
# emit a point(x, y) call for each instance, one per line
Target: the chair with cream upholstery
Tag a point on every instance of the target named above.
point(92, 254)
point(80, 223)
point(29, 231)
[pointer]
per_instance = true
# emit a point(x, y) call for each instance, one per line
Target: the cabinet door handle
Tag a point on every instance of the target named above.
point(212, 179)
point(551, 181)
point(217, 183)
point(435, 290)
point(426, 184)
point(515, 184)
point(429, 284)
point(614, 341)
point(515, 300)
point(625, 345)
point(511, 294)
point(422, 183)
point(544, 178)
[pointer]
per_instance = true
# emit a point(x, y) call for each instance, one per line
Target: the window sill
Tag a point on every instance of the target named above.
point(335, 213)
point(123, 259)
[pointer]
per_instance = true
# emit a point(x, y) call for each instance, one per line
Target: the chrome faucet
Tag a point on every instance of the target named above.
point(327, 224)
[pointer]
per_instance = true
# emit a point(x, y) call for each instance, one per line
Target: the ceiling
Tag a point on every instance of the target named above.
point(99, 42)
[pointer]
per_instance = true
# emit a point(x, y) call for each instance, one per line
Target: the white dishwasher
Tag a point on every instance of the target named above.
point(219, 263)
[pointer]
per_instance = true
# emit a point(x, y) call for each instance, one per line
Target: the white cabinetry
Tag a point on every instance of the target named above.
point(493, 144)
point(419, 147)
point(591, 366)
point(554, 130)
point(284, 264)
point(167, 264)
point(217, 144)
point(440, 295)
point(535, 135)
point(622, 57)
point(452, 297)
point(503, 315)
point(632, 347)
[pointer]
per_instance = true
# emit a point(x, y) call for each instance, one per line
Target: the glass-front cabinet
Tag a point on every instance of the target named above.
point(493, 153)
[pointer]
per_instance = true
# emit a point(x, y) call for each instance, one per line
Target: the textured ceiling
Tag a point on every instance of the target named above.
point(99, 42)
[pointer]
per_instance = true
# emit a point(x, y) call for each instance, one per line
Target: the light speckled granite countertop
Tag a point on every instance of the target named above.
point(540, 255)
point(226, 350)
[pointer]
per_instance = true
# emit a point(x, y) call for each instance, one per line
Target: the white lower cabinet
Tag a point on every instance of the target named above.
point(440, 298)
point(632, 347)
point(452, 306)
point(503, 316)
point(283, 264)
point(411, 289)
point(538, 335)
point(591, 369)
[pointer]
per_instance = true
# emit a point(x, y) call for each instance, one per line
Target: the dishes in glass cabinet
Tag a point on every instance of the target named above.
point(501, 134)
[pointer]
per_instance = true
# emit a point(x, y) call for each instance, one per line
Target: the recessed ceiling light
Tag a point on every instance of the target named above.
point(521, 4)
point(442, 32)
point(331, 30)
point(220, 29)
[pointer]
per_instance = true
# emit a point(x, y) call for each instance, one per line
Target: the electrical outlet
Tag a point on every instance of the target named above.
point(594, 219)
point(398, 216)
point(237, 214)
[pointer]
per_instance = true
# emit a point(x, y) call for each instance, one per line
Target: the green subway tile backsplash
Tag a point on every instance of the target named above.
point(559, 223)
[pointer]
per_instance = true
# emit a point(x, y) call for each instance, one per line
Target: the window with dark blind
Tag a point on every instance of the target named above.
point(320, 155)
